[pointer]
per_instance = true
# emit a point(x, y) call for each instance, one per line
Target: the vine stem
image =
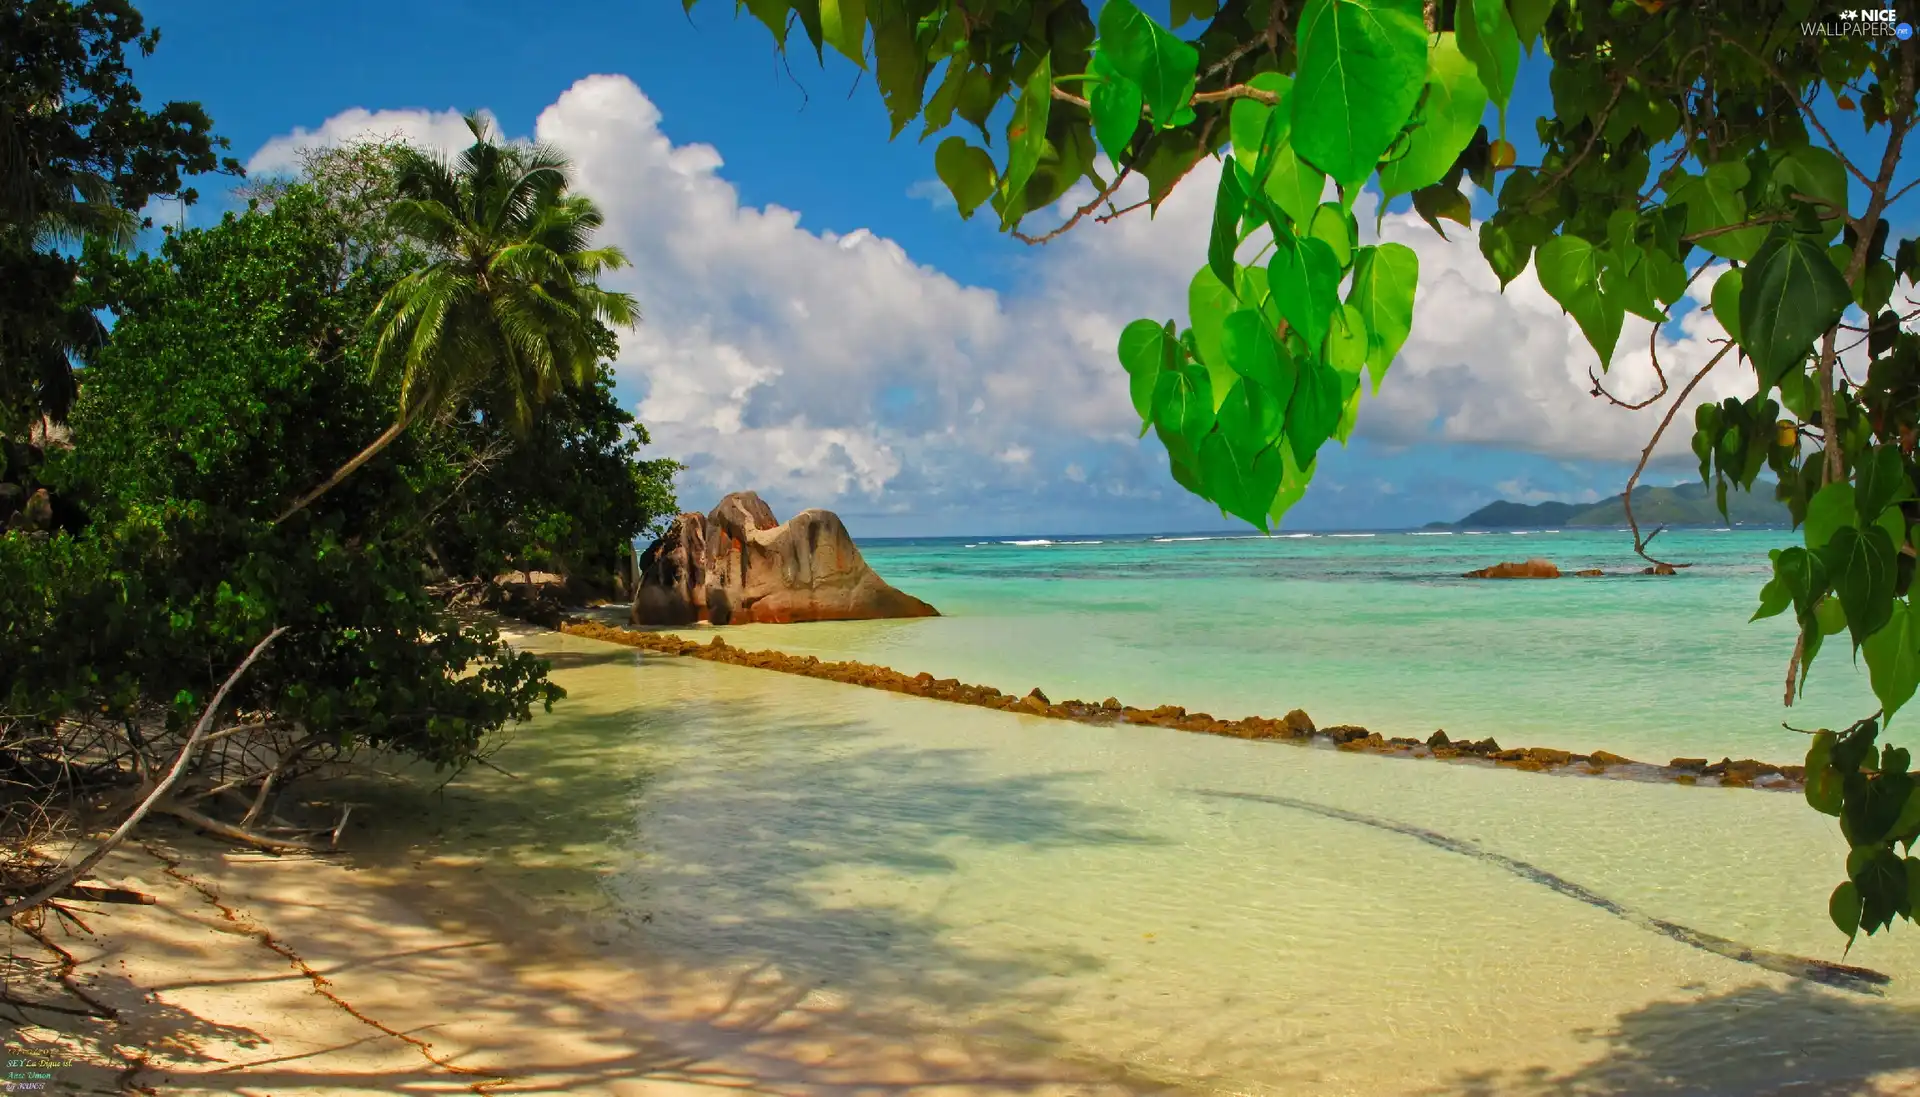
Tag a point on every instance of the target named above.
point(1640, 543)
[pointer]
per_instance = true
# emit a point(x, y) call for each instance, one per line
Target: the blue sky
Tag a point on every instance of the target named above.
point(822, 328)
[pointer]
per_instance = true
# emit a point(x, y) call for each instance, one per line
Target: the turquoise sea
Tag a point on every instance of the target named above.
point(870, 893)
point(1371, 628)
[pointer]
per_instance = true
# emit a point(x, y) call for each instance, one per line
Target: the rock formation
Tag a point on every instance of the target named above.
point(1532, 569)
point(737, 564)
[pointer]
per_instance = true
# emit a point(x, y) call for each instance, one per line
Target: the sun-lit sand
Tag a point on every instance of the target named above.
point(298, 976)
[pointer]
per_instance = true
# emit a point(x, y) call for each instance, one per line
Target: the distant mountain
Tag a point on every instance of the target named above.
point(1682, 505)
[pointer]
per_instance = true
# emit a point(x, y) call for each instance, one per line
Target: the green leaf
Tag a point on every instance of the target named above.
point(1880, 480)
point(1505, 251)
point(1893, 657)
point(1147, 350)
point(1027, 136)
point(1349, 413)
point(900, 64)
point(1293, 484)
point(967, 171)
point(1529, 17)
point(1254, 353)
point(1183, 10)
point(1860, 565)
point(1882, 881)
point(1330, 227)
point(1437, 201)
point(1242, 480)
point(1815, 172)
point(1570, 272)
point(1347, 342)
point(1319, 396)
point(1305, 279)
point(1714, 201)
point(1295, 185)
point(1488, 39)
point(1250, 418)
point(1148, 54)
point(843, 23)
point(1824, 787)
point(1790, 296)
point(1229, 201)
point(1115, 102)
point(1362, 64)
point(1844, 908)
point(1830, 508)
point(1260, 132)
point(1830, 616)
point(1726, 302)
point(1774, 600)
point(1455, 101)
point(1209, 302)
point(1183, 407)
point(1384, 280)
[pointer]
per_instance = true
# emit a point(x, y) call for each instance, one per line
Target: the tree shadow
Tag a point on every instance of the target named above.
point(734, 834)
point(1795, 1039)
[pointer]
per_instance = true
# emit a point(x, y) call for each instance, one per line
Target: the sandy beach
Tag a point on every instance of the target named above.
point(397, 966)
point(293, 975)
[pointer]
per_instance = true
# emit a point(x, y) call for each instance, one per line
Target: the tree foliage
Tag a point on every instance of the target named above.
point(1683, 139)
point(79, 156)
point(504, 298)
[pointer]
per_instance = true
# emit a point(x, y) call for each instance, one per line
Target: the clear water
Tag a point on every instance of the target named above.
point(1372, 629)
point(1206, 913)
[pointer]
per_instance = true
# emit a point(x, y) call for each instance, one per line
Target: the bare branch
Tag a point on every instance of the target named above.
point(1640, 543)
point(1105, 193)
point(180, 764)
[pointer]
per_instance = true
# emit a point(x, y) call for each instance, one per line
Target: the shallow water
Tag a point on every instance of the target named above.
point(1372, 629)
point(1220, 915)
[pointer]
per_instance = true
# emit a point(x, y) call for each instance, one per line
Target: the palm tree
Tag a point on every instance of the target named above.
point(507, 299)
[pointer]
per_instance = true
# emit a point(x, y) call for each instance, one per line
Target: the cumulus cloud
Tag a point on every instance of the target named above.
point(832, 369)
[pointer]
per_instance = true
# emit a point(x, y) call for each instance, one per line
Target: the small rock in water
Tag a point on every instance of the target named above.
point(1298, 722)
point(1532, 569)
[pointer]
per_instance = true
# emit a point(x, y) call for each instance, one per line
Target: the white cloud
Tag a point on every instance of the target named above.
point(446, 130)
point(934, 193)
point(768, 351)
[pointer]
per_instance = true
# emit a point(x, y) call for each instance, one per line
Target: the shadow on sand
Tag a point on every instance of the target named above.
point(1796, 1040)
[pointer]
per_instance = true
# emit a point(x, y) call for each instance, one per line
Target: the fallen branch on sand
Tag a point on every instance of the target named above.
point(153, 797)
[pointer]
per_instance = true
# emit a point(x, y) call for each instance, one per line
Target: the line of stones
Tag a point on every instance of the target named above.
point(1295, 726)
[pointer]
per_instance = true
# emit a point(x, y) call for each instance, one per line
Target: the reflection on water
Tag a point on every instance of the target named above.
point(914, 868)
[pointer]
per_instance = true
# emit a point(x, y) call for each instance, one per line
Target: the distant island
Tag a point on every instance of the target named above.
point(1680, 505)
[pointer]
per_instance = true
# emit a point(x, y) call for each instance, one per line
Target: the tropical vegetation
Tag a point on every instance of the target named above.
point(159, 471)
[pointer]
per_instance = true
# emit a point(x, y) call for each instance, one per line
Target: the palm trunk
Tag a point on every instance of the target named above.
point(386, 438)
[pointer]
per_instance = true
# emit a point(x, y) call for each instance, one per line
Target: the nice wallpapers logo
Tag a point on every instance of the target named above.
point(1865, 22)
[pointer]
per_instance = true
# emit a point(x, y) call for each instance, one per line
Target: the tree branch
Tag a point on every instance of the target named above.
point(1640, 543)
point(1105, 193)
point(180, 764)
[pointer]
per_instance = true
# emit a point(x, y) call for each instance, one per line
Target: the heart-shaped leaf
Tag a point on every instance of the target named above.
point(1570, 271)
point(1362, 65)
point(1790, 294)
point(1304, 278)
point(1149, 54)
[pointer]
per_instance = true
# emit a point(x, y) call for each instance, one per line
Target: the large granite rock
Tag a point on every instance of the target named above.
point(737, 565)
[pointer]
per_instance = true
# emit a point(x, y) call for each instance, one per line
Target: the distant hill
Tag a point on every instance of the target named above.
point(1681, 505)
